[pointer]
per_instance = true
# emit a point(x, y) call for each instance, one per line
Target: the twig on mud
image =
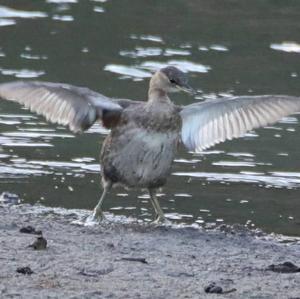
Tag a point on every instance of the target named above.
point(134, 259)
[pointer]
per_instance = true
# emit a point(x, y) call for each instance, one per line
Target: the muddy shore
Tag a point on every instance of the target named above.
point(134, 260)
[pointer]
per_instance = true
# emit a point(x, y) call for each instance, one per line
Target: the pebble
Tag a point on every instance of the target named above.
point(25, 270)
point(30, 230)
point(213, 289)
point(39, 244)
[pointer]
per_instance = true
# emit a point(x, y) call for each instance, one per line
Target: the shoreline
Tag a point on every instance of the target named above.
point(134, 260)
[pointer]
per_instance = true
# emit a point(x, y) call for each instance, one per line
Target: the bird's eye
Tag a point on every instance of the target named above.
point(172, 81)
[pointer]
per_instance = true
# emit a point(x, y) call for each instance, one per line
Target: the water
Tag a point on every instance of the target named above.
point(228, 48)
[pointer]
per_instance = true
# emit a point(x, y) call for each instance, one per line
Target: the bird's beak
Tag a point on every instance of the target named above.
point(187, 88)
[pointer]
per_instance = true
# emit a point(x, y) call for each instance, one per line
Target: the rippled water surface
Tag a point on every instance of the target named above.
point(228, 48)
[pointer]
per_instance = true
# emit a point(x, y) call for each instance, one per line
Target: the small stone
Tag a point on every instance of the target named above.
point(30, 230)
point(39, 244)
point(25, 270)
point(213, 289)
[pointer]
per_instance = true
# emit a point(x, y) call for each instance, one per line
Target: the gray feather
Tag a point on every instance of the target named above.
point(64, 104)
point(208, 123)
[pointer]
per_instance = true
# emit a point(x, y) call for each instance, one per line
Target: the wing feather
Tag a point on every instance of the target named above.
point(77, 107)
point(205, 124)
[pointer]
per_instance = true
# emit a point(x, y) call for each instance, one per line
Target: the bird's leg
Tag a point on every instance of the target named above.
point(97, 213)
point(160, 217)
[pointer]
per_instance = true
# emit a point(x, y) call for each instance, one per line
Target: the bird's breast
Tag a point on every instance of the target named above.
point(141, 157)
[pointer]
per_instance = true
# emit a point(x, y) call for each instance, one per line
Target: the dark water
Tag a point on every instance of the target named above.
point(227, 48)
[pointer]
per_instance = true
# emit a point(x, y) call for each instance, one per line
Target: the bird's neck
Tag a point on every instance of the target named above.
point(157, 95)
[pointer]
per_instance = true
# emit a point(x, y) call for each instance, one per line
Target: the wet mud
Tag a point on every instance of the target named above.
point(135, 260)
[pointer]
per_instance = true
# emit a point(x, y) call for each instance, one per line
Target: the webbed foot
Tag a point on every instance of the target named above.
point(159, 219)
point(95, 218)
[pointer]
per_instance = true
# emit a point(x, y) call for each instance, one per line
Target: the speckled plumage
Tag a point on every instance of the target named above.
point(140, 150)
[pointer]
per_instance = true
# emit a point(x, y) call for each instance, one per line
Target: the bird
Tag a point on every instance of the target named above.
point(144, 136)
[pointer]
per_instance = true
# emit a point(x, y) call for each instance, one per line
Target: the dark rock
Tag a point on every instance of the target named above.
point(25, 270)
point(30, 230)
point(39, 244)
point(286, 267)
point(213, 289)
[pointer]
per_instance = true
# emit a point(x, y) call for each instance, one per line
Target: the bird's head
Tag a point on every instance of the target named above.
point(171, 79)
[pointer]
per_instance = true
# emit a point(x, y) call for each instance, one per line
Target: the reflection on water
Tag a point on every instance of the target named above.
point(286, 47)
point(64, 18)
point(138, 72)
point(152, 38)
point(23, 73)
point(6, 12)
point(254, 180)
point(128, 71)
point(286, 180)
point(61, 1)
point(184, 65)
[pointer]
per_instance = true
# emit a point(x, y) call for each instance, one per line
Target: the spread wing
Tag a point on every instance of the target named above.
point(77, 107)
point(205, 124)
